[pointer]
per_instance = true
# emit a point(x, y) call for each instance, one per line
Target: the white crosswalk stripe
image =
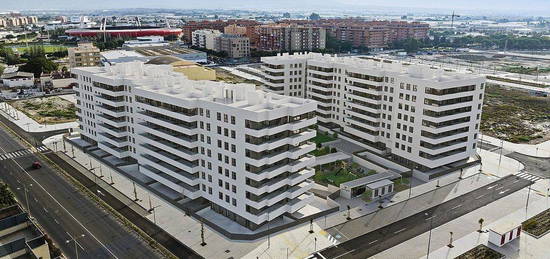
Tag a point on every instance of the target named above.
point(528, 176)
point(20, 153)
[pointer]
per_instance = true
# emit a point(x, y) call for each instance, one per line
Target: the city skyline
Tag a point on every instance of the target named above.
point(406, 6)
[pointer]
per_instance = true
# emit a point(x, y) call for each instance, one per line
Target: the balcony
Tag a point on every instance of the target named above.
point(111, 101)
point(114, 141)
point(292, 140)
point(274, 197)
point(306, 161)
point(171, 159)
point(116, 132)
point(182, 126)
point(271, 130)
point(112, 111)
point(115, 151)
point(173, 136)
point(112, 121)
point(293, 153)
point(291, 207)
point(192, 192)
point(181, 151)
point(274, 184)
point(167, 112)
point(181, 175)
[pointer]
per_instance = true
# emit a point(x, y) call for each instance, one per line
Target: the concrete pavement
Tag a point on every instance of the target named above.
point(390, 235)
point(62, 210)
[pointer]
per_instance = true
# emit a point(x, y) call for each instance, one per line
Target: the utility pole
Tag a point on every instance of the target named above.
point(311, 226)
point(135, 191)
point(430, 235)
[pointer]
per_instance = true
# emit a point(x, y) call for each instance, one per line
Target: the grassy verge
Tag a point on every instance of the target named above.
point(537, 225)
point(480, 252)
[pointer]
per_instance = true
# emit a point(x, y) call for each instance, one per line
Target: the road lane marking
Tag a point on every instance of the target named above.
point(429, 218)
point(501, 187)
point(504, 191)
point(456, 207)
point(491, 187)
point(401, 230)
point(373, 242)
point(479, 197)
point(350, 251)
point(67, 211)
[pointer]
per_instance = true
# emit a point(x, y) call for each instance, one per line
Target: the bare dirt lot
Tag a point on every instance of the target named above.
point(47, 110)
point(515, 115)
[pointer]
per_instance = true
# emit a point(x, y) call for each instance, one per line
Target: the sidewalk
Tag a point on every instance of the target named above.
point(526, 246)
point(539, 150)
point(466, 226)
point(29, 125)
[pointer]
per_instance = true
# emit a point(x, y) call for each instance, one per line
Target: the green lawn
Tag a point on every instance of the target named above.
point(322, 138)
point(335, 177)
point(47, 48)
point(321, 151)
point(401, 185)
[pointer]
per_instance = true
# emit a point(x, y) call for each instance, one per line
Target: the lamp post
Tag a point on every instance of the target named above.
point(26, 198)
point(349, 213)
point(202, 233)
point(153, 209)
point(450, 245)
point(314, 244)
point(311, 226)
point(76, 244)
point(430, 235)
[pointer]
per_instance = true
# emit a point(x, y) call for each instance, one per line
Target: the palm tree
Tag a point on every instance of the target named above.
point(480, 221)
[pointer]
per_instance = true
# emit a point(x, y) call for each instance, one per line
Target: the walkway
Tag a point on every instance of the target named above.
point(29, 125)
point(539, 150)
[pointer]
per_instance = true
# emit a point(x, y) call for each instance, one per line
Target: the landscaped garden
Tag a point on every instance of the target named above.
point(537, 225)
point(321, 138)
point(340, 172)
point(401, 184)
point(480, 252)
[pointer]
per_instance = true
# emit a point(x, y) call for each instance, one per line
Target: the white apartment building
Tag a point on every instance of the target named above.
point(415, 115)
point(242, 149)
point(205, 38)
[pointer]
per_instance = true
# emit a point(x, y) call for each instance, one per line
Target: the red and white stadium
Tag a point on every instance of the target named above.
point(124, 31)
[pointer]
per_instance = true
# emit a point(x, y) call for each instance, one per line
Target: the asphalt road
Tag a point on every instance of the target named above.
point(388, 236)
point(64, 212)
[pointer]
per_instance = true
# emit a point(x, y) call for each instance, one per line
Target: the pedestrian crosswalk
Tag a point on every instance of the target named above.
point(528, 176)
point(22, 152)
point(330, 238)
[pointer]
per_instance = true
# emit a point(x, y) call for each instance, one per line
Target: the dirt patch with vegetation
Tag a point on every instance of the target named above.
point(225, 76)
point(47, 110)
point(515, 116)
point(480, 252)
point(537, 225)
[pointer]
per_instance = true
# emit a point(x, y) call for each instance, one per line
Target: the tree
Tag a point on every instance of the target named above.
point(39, 65)
point(1, 69)
point(480, 221)
point(6, 196)
point(314, 16)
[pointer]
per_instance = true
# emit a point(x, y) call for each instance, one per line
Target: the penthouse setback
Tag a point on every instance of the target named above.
point(415, 116)
point(241, 150)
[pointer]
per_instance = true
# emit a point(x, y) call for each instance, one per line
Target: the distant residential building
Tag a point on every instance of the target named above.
point(371, 34)
point(234, 29)
point(219, 25)
point(84, 55)
point(235, 46)
point(16, 21)
point(18, 79)
point(205, 38)
point(290, 37)
point(20, 237)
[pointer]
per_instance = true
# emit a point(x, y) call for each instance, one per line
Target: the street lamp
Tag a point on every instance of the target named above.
point(430, 235)
point(153, 209)
point(314, 244)
point(26, 198)
point(349, 213)
point(76, 244)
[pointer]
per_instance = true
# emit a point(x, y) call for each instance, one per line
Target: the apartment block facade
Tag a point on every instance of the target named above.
point(205, 39)
point(371, 34)
point(84, 55)
point(417, 116)
point(236, 46)
point(243, 150)
point(290, 37)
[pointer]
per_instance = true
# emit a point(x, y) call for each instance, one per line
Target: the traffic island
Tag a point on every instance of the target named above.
point(481, 252)
point(539, 225)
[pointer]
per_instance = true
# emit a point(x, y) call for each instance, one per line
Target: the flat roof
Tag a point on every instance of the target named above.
point(505, 225)
point(164, 50)
point(379, 184)
point(368, 179)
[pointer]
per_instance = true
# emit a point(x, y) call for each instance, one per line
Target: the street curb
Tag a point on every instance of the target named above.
point(153, 243)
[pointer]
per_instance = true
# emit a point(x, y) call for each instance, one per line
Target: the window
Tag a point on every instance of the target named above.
point(220, 183)
point(220, 195)
point(219, 130)
point(233, 175)
point(219, 116)
point(234, 202)
point(234, 189)
point(233, 120)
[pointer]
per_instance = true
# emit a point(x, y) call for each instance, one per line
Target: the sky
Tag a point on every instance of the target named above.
point(519, 7)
